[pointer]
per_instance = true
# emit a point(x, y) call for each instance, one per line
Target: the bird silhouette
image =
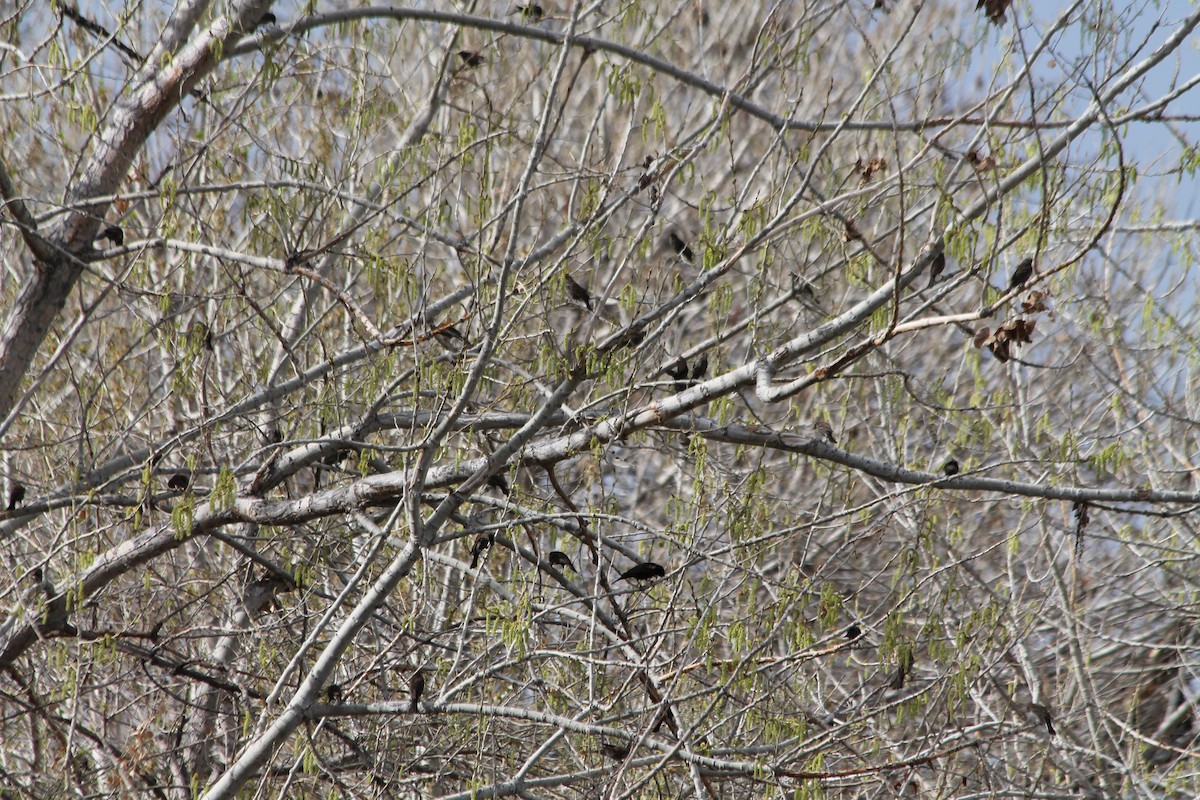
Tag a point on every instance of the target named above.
point(471, 58)
point(179, 482)
point(903, 669)
point(678, 370)
point(936, 267)
point(416, 686)
point(680, 247)
point(950, 467)
point(853, 632)
point(579, 293)
point(498, 481)
point(1043, 714)
point(645, 571)
point(15, 495)
point(617, 752)
point(700, 368)
point(114, 234)
point(480, 544)
point(1021, 274)
point(560, 559)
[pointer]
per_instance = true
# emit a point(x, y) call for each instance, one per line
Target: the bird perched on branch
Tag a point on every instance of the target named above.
point(471, 58)
point(1021, 274)
point(679, 246)
point(481, 543)
point(579, 293)
point(617, 752)
point(824, 430)
point(532, 11)
point(1042, 714)
point(560, 559)
point(678, 372)
point(646, 571)
point(498, 481)
point(936, 267)
point(950, 467)
point(114, 234)
point(15, 495)
point(416, 687)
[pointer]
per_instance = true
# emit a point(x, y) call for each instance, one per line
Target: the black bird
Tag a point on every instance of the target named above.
point(560, 559)
point(681, 248)
point(498, 481)
point(416, 685)
point(700, 368)
point(114, 234)
point(678, 372)
point(200, 335)
point(15, 495)
point(645, 571)
point(578, 293)
point(902, 671)
point(266, 19)
point(179, 482)
point(1043, 714)
point(950, 467)
point(533, 10)
point(853, 632)
point(936, 267)
point(1021, 274)
point(334, 693)
point(617, 752)
point(471, 58)
point(481, 543)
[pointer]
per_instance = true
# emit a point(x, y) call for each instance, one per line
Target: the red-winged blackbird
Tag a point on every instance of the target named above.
point(853, 632)
point(498, 481)
point(645, 571)
point(1021, 274)
point(114, 234)
point(416, 685)
point(936, 267)
point(179, 482)
point(471, 58)
point(578, 293)
point(15, 495)
point(950, 467)
point(266, 19)
point(533, 11)
point(679, 373)
point(700, 368)
point(334, 693)
point(560, 559)
point(680, 247)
